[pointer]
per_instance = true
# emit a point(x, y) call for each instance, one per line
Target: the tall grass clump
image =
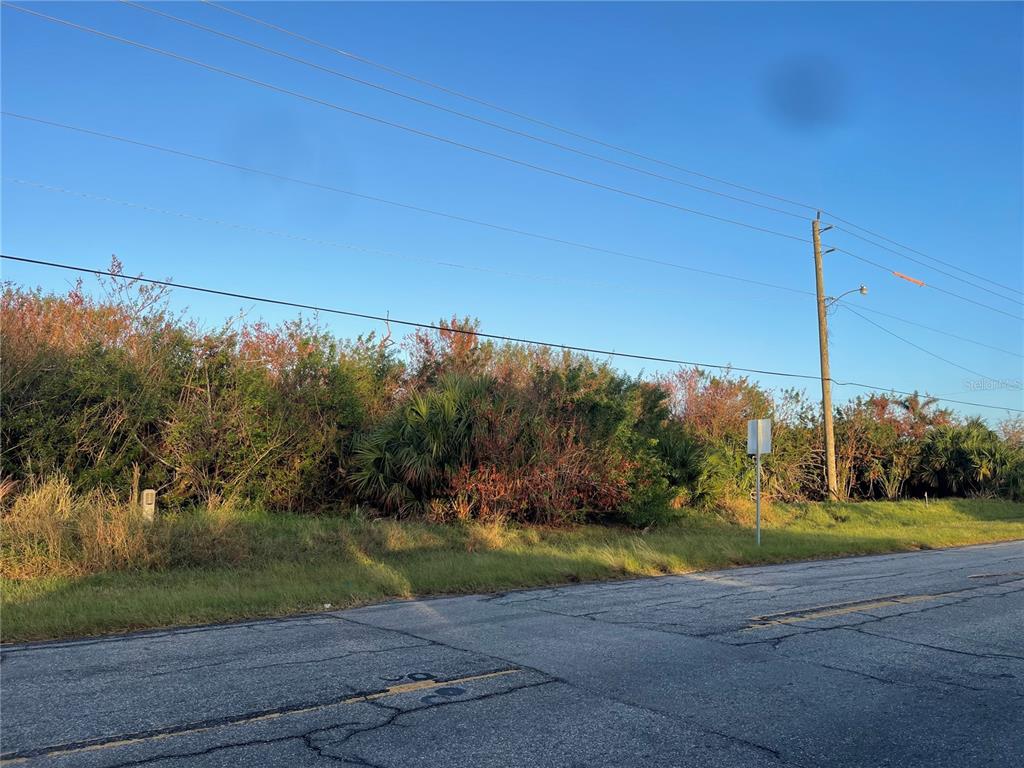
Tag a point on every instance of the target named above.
point(48, 529)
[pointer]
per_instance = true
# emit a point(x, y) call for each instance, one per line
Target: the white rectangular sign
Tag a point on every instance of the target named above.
point(759, 436)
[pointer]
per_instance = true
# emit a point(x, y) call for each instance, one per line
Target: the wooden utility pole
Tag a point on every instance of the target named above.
point(826, 380)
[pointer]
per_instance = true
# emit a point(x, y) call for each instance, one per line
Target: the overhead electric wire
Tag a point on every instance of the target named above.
point(914, 250)
point(939, 331)
point(579, 135)
point(451, 264)
point(499, 108)
point(476, 222)
point(449, 110)
point(392, 254)
point(409, 129)
point(453, 142)
point(1015, 299)
point(1012, 385)
point(907, 341)
point(923, 284)
point(395, 203)
point(480, 334)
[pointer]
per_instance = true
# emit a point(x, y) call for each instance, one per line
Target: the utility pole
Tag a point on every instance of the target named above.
point(826, 380)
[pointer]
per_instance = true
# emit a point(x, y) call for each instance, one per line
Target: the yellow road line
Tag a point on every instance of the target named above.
point(841, 609)
point(419, 685)
point(1008, 575)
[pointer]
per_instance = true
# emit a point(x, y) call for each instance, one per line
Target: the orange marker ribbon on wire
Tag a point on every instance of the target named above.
point(908, 278)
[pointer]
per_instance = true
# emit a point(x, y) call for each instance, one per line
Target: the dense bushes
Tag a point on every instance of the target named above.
point(409, 459)
point(970, 459)
point(442, 425)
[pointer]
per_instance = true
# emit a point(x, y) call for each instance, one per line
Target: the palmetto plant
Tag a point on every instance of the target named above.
point(963, 459)
point(411, 457)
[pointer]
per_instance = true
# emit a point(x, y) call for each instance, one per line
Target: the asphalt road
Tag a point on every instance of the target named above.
point(902, 660)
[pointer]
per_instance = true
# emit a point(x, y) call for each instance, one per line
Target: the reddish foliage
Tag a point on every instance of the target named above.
point(714, 407)
point(909, 416)
point(127, 316)
point(537, 470)
point(453, 348)
point(279, 349)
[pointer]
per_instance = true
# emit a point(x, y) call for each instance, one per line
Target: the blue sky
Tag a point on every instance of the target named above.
point(903, 118)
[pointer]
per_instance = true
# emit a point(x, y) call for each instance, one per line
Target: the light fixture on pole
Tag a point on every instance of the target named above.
point(830, 300)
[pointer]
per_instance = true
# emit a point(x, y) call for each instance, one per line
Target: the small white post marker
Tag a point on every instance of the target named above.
point(148, 504)
point(759, 440)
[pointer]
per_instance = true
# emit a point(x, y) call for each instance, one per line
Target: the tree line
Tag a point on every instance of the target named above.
point(111, 389)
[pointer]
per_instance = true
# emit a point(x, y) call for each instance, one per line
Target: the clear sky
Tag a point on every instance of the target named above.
point(903, 118)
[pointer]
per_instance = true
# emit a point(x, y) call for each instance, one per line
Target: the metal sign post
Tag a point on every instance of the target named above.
point(759, 440)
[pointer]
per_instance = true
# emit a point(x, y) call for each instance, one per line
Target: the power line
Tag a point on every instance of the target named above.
point(408, 128)
point(457, 265)
point(576, 134)
point(480, 334)
point(485, 152)
point(932, 286)
point(362, 249)
point(1012, 384)
point(449, 110)
point(479, 150)
point(468, 220)
point(397, 204)
point(914, 250)
point(907, 341)
point(499, 227)
point(928, 266)
point(498, 108)
point(388, 318)
point(939, 331)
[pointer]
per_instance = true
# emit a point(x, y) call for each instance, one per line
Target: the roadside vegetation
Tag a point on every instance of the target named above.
point(77, 566)
point(295, 469)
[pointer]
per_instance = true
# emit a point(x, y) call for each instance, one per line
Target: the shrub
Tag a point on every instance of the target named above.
point(86, 383)
point(649, 497)
point(410, 459)
point(967, 459)
point(263, 415)
point(531, 469)
point(726, 473)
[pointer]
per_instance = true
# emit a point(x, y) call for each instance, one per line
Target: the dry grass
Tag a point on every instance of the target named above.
point(49, 530)
point(484, 537)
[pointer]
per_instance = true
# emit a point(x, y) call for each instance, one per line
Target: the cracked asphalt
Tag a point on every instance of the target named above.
point(899, 660)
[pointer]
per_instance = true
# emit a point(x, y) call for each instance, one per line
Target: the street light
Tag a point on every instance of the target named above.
point(862, 290)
